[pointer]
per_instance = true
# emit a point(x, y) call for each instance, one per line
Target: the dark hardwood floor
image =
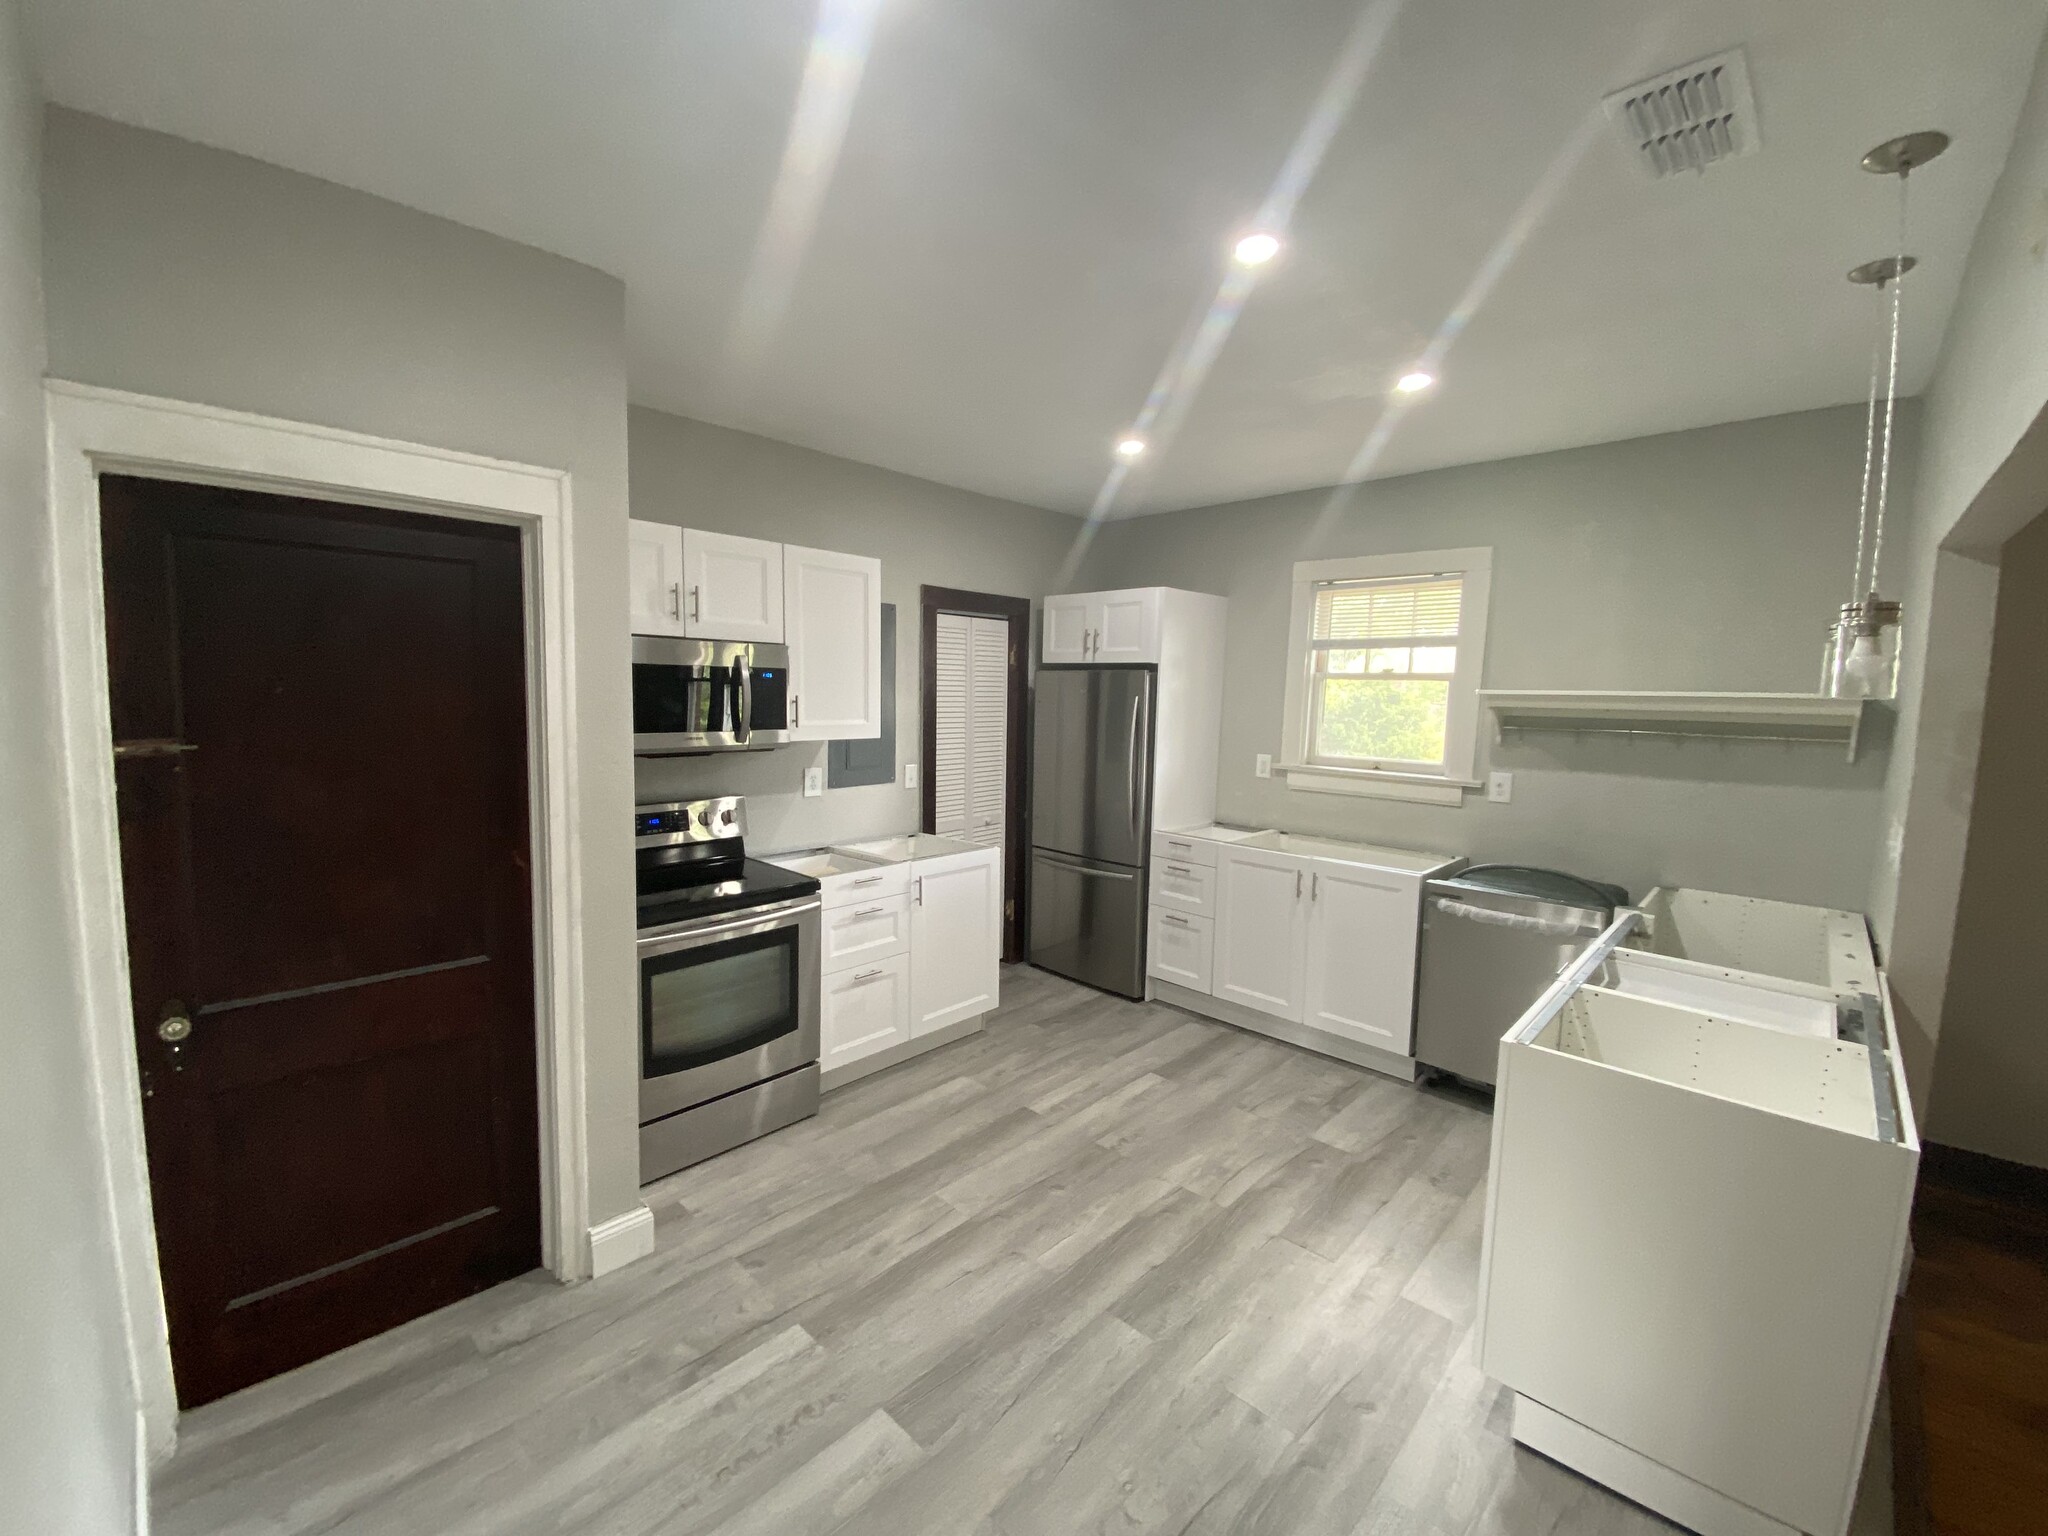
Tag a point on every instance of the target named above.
point(1978, 1309)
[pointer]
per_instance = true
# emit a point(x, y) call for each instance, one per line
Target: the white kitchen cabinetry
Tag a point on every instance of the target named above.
point(855, 934)
point(654, 565)
point(832, 613)
point(956, 938)
point(1262, 930)
point(1362, 931)
point(864, 1009)
point(732, 587)
point(1114, 628)
point(1182, 948)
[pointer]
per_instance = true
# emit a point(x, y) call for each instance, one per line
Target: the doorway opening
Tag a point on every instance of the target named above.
point(973, 661)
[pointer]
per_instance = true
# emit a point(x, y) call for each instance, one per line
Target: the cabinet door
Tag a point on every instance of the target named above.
point(862, 1010)
point(832, 611)
point(956, 938)
point(654, 564)
point(732, 587)
point(1065, 628)
point(1261, 939)
point(1361, 954)
point(1126, 626)
point(1181, 949)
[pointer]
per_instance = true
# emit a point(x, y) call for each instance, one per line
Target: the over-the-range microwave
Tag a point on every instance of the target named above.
point(708, 696)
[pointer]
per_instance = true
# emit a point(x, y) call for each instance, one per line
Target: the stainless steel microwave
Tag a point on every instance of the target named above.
point(708, 696)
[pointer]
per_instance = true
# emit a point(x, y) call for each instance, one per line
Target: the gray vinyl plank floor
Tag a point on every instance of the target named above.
point(1104, 1267)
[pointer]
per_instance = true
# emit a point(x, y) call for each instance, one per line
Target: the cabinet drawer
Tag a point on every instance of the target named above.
point(1183, 850)
point(863, 1009)
point(1184, 887)
point(865, 890)
point(1181, 948)
point(859, 935)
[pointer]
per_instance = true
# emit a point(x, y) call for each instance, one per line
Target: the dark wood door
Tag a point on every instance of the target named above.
point(320, 725)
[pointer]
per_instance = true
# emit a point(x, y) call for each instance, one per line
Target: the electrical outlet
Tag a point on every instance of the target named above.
point(910, 775)
point(814, 781)
point(1262, 766)
point(1500, 787)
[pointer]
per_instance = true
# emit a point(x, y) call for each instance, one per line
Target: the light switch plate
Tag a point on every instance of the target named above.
point(814, 781)
point(910, 775)
point(1500, 787)
point(1262, 766)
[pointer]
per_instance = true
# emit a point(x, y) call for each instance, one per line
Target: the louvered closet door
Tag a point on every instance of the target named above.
point(971, 728)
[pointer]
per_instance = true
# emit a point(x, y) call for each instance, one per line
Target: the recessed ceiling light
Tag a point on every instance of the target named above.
point(1257, 250)
point(1130, 447)
point(1414, 383)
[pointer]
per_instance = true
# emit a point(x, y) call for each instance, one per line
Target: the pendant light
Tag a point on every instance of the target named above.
point(1862, 656)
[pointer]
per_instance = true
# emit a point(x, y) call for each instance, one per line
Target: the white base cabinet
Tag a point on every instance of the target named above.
point(863, 1009)
point(1314, 934)
point(956, 938)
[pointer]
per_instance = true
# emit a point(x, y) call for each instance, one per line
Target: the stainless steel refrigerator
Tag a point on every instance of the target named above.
point(1091, 823)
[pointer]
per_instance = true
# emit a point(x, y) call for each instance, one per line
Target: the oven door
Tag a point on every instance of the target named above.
point(726, 1002)
point(708, 696)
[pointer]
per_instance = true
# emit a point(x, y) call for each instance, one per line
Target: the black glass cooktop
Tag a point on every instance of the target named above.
point(728, 885)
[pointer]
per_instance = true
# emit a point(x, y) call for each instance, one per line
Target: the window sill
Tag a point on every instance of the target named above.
point(1380, 783)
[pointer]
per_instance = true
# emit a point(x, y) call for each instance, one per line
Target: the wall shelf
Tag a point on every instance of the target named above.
point(1788, 717)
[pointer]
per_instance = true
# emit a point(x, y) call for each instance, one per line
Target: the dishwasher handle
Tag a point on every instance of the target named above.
point(1550, 927)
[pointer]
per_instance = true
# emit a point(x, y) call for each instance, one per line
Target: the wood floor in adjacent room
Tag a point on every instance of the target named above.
point(1105, 1267)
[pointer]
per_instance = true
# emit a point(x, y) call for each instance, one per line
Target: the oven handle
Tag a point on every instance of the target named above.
point(701, 931)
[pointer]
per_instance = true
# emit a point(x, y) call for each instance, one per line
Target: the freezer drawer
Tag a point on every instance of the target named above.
point(1088, 921)
point(1182, 949)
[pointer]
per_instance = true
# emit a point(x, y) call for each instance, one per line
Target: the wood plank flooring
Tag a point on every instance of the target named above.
point(1102, 1268)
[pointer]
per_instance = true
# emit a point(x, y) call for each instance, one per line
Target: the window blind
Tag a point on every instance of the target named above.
point(1350, 613)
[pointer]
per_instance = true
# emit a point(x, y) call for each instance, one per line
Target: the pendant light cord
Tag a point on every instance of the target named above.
point(1869, 469)
point(1891, 392)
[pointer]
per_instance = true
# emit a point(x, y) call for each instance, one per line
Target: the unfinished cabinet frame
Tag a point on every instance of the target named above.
point(1694, 1235)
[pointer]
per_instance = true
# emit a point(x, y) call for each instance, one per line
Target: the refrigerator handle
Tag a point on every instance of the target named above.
point(1138, 755)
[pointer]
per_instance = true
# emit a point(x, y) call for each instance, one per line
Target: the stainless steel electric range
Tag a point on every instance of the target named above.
point(728, 986)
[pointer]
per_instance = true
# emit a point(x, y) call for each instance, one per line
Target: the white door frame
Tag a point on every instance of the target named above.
point(93, 430)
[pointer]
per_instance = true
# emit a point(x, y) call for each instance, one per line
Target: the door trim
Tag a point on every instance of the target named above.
point(93, 430)
point(1016, 611)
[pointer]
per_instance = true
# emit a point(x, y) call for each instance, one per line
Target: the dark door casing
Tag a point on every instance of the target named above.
point(320, 722)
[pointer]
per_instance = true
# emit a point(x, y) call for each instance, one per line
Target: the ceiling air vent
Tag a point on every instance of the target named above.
point(1688, 119)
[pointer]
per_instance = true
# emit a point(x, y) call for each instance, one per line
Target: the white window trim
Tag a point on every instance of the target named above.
point(1461, 734)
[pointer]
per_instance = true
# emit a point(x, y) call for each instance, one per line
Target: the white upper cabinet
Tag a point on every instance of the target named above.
point(1261, 937)
point(832, 609)
point(654, 559)
point(956, 938)
point(1362, 927)
point(1111, 627)
point(732, 587)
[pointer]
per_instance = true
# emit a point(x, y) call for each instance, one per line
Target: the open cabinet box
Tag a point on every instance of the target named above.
point(1694, 1232)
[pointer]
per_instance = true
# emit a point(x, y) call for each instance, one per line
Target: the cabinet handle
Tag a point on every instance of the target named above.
point(919, 883)
point(1179, 869)
point(866, 880)
point(1178, 922)
point(860, 976)
point(696, 603)
point(870, 911)
point(796, 711)
point(1315, 887)
point(1297, 885)
point(675, 600)
point(1173, 844)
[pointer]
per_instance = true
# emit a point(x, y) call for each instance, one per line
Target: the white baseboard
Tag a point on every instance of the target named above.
point(618, 1242)
point(1635, 1476)
point(141, 1495)
point(1227, 1012)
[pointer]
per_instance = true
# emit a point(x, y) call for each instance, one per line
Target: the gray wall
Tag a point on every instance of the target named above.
point(1983, 476)
point(1697, 560)
point(1990, 1085)
point(182, 271)
point(701, 476)
point(68, 1432)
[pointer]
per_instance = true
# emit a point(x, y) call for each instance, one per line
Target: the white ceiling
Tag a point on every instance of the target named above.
point(1035, 199)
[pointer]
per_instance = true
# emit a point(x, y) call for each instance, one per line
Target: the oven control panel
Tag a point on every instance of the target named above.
point(690, 821)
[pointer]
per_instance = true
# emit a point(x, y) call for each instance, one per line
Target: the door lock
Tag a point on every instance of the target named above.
point(175, 1027)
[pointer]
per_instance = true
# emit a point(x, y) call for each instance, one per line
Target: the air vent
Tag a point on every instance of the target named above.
point(1688, 119)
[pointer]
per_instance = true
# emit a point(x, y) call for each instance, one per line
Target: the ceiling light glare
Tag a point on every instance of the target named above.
point(1130, 447)
point(1256, 250)
point(1414, 383)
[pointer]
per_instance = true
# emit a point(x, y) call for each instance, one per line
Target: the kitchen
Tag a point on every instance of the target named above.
point(1198, 1195)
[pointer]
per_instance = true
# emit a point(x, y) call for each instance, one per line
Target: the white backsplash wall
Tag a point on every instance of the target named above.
point(697, 475)
point(1703, 560)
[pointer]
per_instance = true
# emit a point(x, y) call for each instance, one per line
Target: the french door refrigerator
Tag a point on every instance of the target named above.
point(1091, 815)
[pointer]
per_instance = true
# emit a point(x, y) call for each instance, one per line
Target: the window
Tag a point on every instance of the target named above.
point(1384, 673)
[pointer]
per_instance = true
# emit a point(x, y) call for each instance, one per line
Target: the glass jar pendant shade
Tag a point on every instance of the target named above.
point(1861, 657)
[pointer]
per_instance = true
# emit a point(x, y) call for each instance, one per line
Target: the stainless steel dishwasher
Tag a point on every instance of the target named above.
point(1493, 937)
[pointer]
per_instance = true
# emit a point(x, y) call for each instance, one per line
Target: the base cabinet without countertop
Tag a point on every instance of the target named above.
point(956, 938)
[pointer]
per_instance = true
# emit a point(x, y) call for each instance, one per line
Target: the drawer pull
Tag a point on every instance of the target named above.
point(1190, 847)
point(1178, 869)
point(1178, 922)
point(870, 911)
point(860, 976)
point(865, 880)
